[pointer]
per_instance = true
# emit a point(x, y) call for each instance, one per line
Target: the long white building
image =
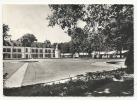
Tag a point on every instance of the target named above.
point(36, 50)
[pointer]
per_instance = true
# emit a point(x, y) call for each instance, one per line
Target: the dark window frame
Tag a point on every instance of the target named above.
point(8, 50)
point(4, 49)
point(26, 49)
point(40, 50)
point(14, 50)
point(19, 50)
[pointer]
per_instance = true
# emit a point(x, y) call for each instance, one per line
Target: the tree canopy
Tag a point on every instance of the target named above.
point(47, 41)
point(107, 26)
point(27, 39)
point(5, 33)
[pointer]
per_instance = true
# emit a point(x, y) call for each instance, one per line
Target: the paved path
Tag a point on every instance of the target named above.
point(16, 79)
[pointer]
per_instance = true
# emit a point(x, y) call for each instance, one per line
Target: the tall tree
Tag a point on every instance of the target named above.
point(77, 40)
point(5, 33)
point(111, 25)
point(120, 28)
point(66, 16)
point(47, 41)
point(27, 39)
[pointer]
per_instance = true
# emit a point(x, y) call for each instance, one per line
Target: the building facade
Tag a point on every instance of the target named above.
point(37, 50)
point(11, 52)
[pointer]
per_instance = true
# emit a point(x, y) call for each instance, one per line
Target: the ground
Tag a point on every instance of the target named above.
point(47, 70)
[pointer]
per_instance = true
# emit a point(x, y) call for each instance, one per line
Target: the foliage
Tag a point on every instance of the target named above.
point(47, 41)
point(108, 26)
point(78, 38)
point(27, 39)
point(65, 47)
point(65, 15)
point(129, 62)
point(78, 87)
point(119, 30)
point(5, 33)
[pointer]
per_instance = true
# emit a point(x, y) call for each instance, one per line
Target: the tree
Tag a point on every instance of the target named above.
point(27, 39)
point(111, 25)
point(47, 41)
point(129, 62)
point(64, 47)
point(77, 40)
point(120, 28)
point(65, 15)
point(5, 33)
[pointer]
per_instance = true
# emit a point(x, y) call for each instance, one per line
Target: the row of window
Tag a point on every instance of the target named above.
point(32, 55)
point(13, 56)
point(9, 50)
point(46, 51)
point(41, 55)
point(32, 50)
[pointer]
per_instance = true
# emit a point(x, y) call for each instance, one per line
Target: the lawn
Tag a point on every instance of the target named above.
point(102, 87)
point(46, 70)
point(10, 68)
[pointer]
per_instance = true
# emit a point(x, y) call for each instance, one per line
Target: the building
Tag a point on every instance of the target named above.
point(15, 50)
point(96, 54)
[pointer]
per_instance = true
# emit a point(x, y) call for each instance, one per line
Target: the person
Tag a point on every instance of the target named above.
point(129, 62)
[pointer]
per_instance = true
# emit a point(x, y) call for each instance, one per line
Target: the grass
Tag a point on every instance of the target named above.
point(54, 69)
point(116, 89)
point(11, 68)
point(71, 88)
point(89, 87)
point(51, 70)
point(78, 88)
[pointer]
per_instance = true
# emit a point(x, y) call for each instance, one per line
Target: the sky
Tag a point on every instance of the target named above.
point(23, 19)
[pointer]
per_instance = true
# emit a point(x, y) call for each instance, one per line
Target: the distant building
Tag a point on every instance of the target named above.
point(96, 54)
point(15, 50)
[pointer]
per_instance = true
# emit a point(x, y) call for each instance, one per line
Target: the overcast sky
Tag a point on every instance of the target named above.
point(24, 19)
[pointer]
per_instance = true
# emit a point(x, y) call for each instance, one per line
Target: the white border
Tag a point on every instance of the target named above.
point(68, 2)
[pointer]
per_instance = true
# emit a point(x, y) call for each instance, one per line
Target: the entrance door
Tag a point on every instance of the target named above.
point(27, 56)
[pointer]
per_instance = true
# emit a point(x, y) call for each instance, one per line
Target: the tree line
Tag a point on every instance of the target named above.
point(108, 27)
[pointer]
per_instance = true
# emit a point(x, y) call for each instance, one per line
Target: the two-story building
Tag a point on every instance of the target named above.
point(15, 50)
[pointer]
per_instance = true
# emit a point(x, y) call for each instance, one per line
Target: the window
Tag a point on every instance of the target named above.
point(53, 51)
point(46, 55)
point(49, 55)
point(32, 50)
point(53, 55)
point(40, 50)
point(14, 55)
point(26, 49)
point(4, 49)
point(34, 55)
point(8, 50)
point(36, 50)
point(19, 55)
point(45, 51)
point(6, 55)
point(41, 55)
point(19, 50)
point(14, 50)
point(49, 51)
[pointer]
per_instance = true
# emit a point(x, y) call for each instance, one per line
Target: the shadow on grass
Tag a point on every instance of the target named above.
point(106, 83)
point(103, 87)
